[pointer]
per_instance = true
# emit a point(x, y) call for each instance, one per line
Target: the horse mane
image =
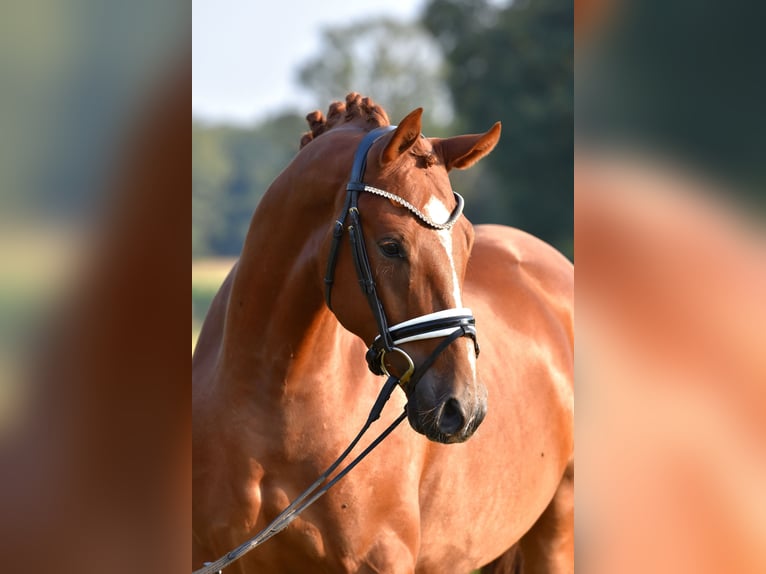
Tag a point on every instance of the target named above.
point(356, 109)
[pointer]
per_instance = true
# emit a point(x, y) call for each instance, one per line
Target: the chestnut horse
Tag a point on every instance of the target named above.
point(280, 384)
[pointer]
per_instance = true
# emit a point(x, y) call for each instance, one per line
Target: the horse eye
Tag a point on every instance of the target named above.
point(391, 249)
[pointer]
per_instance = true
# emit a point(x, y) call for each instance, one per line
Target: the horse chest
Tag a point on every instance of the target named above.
point(334, 536)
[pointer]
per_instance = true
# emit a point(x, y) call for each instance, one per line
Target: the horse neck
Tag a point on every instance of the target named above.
point(276, 306)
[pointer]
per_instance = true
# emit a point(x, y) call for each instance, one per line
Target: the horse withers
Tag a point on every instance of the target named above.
point(484, 476)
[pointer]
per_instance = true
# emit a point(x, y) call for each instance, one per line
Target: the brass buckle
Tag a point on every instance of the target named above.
point(410, 368)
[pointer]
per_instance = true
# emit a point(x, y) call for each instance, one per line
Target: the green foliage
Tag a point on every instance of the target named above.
point(515, 64)
point(398, 64)
point(231, 169)
point(691, 94)
point(512, 63)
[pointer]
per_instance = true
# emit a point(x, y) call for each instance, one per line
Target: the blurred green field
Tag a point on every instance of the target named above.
point(38, 263)
point(207, 276)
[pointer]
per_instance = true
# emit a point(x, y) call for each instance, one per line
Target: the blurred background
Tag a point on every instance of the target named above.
point(94, 178)
point(469, 63)
point(670, 191)
point(669, 184)
point(76, 81)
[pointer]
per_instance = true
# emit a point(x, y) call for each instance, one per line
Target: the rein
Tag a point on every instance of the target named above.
point(449, 324)
point(314, 492)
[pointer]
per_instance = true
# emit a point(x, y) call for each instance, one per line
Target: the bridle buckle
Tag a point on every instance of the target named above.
point(410, 365)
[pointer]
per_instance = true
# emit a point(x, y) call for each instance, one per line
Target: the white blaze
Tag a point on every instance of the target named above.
point(438, 212)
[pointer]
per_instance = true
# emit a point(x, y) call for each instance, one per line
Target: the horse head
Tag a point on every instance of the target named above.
point(405, 225)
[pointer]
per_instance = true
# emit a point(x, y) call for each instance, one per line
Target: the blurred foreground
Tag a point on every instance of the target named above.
point(94, 457)
point(671, 277)
point(671, 373)
point(94, 212)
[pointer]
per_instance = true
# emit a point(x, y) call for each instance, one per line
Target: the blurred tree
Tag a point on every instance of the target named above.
point(510, 63)
point(232, 168)
point(398, 64)
point(210, 171)
point(514, 63)
point(687, 94)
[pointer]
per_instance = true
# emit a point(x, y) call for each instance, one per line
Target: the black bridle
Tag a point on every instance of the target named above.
point(449, 324)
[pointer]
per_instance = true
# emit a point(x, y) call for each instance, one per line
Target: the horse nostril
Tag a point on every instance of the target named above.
point(452, 417)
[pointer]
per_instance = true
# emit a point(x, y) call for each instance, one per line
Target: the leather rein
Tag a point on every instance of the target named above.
point(449, 324)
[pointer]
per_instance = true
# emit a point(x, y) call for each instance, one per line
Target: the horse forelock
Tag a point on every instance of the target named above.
point(362, 112)
point(357, 110)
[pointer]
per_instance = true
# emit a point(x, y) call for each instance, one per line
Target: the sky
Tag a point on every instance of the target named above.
point(246, 53)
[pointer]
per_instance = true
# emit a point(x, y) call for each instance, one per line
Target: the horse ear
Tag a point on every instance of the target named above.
point(405, 136)
point(462, 152)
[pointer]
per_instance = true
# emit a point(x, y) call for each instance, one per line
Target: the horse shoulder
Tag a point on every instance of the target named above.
point(509, 266)
point(522, 293)
point(226, 507)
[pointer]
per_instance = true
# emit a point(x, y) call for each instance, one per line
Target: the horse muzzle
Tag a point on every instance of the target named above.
point(446, 419)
